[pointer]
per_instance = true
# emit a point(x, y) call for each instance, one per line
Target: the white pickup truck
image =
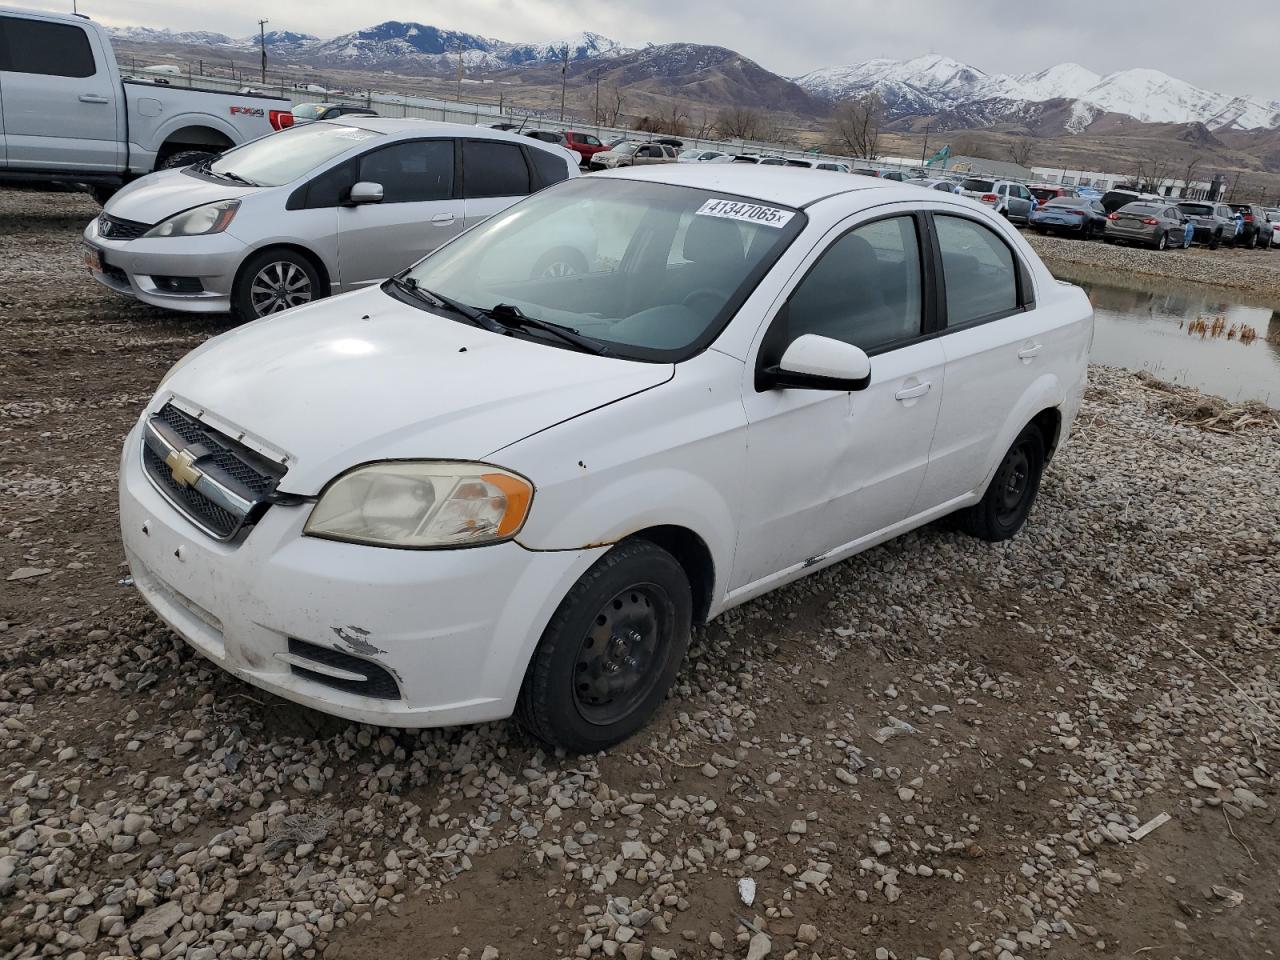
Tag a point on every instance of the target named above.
point(68, 117)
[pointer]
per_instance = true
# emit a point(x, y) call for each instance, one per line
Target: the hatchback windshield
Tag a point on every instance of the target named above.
point(650, 270)
point(285, 156)
point(978, 186)
point(308, 111)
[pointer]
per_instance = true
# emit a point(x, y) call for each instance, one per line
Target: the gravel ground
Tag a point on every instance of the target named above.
point(1254, 271)
point(939, 749)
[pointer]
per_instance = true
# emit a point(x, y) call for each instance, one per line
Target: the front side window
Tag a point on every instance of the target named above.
point(411, 171)
point(46, 49)
point(978, 269)
point(285, 156)
point(651, 270)
point(864, 290)
point(492, 168)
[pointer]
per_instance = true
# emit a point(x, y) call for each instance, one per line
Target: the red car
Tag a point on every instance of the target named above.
point(585, 143)
point(1044, 192)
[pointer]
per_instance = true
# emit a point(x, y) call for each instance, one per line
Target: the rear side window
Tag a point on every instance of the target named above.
point(978, 268)
point(491, 168)
point(411, 171)
point(865, 289)
point(47, 49)
point(549, 168)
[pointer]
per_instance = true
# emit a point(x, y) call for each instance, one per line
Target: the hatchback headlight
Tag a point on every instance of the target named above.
point(198, 221)
point(418, 504)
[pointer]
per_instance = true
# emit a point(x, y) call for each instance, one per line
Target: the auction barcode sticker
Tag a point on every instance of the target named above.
point(747, 212)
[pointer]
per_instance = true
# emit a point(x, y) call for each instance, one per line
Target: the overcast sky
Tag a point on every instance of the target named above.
point(1230, 45)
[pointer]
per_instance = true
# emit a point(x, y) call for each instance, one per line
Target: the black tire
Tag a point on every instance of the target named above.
point(249, 299)
point(1252, 242)
point(561, 700)
point(1215, 240)
point(1012, 492)
point(184, 158)
point(102, 192)
point(1162, 242)
point(561, 262)
point(1041, 230)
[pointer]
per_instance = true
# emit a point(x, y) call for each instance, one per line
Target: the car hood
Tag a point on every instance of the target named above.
point(364, 377)
point(160, 195)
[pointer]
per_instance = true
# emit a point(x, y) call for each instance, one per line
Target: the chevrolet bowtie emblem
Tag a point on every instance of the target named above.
point(181, 464)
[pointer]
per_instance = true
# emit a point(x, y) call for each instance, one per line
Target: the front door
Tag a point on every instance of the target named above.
point(58, 98)
point(827, 469)
point(418, 211)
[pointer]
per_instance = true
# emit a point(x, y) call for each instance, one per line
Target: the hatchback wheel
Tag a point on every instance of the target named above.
point(610, 652)
point(272, 281)
point(1004, 507)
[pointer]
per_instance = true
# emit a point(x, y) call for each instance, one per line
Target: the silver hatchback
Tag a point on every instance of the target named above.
point(310, 211)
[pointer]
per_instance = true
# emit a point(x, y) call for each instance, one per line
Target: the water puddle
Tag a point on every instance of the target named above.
point(1217, 340)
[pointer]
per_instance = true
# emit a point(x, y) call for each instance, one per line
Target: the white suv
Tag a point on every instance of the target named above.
point(1011, 200)
point(469, 491)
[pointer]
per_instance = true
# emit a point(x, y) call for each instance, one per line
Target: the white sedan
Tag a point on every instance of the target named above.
point(468, 492)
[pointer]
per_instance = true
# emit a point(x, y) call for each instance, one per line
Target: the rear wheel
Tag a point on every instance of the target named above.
point(1162, 242)
point(610, 652)
point(1252, 242)
point(1004, 507)
point(272, 281)
point(184, 158)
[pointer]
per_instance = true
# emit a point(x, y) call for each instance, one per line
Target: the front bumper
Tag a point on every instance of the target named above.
point(133, 265)
point(455, 628)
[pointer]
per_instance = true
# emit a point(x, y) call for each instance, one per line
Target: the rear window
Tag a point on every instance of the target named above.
point(1066, 202)
point(979, 186)
point(1197, 209)
point(46, 49)
point(1142, 208)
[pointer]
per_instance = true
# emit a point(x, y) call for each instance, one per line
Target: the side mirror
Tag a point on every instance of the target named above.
point(812, 362)
point(365, 192)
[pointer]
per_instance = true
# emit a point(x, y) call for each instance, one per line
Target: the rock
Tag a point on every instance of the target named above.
point(662, 953)
point(88, 927)
point(881, 848)
point(634, 850)
point(28, 573)
point(747, 890)
point(300, 935)
point(1203, 777)
point(710, 771)
point(799, 827)
point(156, 921)
point(490, 953)
point(759, 947)
point(807, 933)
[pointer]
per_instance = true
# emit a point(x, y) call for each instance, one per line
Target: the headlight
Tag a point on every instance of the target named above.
point(422, 504)
point(198, 221)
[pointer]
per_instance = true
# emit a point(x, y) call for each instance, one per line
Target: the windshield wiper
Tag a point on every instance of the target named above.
point(438, 300)
point(233, 177)
point(511, 316)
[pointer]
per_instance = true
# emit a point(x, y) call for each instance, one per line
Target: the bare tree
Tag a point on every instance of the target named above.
point(738, 123)
point(611, 101)
point(1020, 150)
point(673, 119)
point(1188, 174)
point(855, 125)
point(705, 124)
point(968, 145)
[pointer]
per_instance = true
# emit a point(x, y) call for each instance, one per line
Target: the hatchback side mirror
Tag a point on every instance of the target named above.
point(813, 362)
point(365, 192)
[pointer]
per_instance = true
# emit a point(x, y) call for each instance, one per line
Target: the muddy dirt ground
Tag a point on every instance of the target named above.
point(941, 748)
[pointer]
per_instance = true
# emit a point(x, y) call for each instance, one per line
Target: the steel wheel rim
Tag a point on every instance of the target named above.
point(1013, 481)
point(279, 286)
point(618, 663)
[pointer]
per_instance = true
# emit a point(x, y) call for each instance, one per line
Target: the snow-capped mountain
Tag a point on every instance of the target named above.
point(397, 44)
point(937, 85)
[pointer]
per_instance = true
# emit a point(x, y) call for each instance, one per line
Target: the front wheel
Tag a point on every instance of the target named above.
point(1004, 507)
point(272, 281)
point(610, 652)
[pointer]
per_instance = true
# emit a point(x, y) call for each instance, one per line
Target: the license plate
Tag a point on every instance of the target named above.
point(92, 258)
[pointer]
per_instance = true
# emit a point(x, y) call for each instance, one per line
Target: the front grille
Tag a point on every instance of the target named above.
point(379, 682)
point(234, 485)
point(117, 228)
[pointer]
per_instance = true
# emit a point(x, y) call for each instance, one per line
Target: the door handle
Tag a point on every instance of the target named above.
point(93, 98)
point(1030, 351)
point(911, 393)
point(442, 218)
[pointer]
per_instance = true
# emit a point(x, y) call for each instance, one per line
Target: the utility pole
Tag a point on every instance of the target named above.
point(564, 77)
point(924, 151)
point(595, 75)
point(459, 71)
point(262, 42)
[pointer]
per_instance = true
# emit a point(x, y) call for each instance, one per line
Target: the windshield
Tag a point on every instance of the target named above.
point(979, 186)
point(626, 149)
point(1197, 209)
point(285, 156)
point(651, 270)
point(308, 111)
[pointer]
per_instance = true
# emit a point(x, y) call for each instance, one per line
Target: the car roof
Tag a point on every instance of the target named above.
point(412, 126)
point(789, 186)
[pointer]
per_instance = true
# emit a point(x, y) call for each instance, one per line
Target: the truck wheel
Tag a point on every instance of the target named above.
point(610, 652)
point(184, 158)
point(271, 281)
point(561, 262)
point(102, 192)
point(1004, 507)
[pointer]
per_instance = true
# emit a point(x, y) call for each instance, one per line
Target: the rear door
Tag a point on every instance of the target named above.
point(419, 210)
point(996, 343)
point(494, 176)
point(58, 97)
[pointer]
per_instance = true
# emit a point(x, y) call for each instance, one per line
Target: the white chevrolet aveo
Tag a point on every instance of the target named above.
point(467, 493)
